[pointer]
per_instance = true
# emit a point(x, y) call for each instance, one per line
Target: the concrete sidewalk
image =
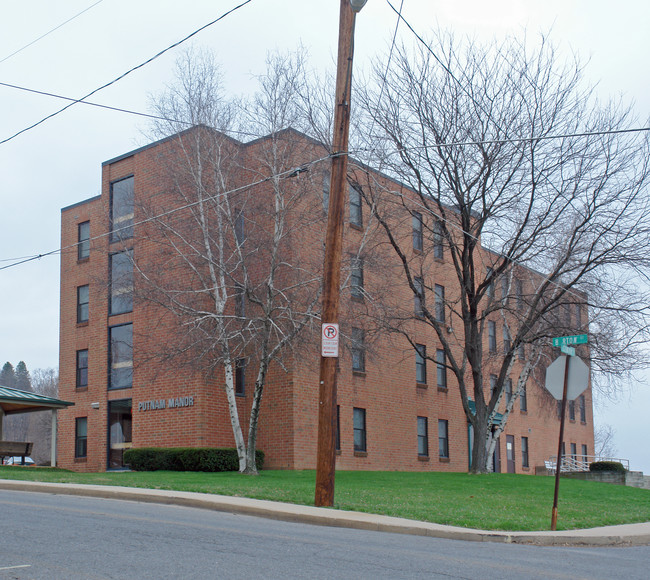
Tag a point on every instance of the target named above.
point(624, 535)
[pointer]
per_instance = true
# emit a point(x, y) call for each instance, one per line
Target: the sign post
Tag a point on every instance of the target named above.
point(575, 380)
point(558, 461)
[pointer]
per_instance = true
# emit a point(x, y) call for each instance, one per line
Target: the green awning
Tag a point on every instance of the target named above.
point(16, 401)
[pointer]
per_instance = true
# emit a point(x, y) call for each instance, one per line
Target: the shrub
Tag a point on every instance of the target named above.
point(607, 466)
point(185, 459)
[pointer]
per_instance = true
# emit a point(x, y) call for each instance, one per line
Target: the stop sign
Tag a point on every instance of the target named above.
point(578, 377)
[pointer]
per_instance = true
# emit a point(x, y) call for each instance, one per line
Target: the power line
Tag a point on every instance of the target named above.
point(516, 140)
point(390, 57)
point(50, 31)
point(248, 134)
point(284, 174)
point(92, 104)
point(127, 72)
point(111, 108)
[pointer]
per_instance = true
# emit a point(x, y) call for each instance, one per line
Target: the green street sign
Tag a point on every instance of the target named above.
point(567, 340)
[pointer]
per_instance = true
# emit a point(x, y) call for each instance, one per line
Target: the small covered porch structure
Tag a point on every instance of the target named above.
point(13, 401)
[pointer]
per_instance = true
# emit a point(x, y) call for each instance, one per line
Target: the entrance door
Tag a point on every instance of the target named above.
point(119, 431)
point(510, 452)
point(496, 458)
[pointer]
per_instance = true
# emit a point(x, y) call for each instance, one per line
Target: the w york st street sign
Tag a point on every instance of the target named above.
point(569, 340)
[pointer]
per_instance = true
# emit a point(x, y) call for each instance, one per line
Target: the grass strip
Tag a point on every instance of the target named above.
point(490, 502)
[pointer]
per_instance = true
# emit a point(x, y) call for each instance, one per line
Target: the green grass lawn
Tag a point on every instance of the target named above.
point(491, 502)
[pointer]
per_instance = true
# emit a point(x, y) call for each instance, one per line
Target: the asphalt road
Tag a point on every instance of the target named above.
point(67, 537)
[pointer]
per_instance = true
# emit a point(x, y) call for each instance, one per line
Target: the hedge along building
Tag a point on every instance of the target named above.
point(142, 365)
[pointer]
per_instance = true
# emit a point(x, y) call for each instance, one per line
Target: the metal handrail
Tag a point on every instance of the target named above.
point(576, 463)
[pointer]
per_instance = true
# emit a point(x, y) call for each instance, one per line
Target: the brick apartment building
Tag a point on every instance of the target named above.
point(397, 410)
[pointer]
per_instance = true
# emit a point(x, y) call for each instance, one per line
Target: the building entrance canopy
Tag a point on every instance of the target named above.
point(14, 401)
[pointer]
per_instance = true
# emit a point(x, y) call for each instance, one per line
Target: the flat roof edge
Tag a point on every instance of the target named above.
point(90, 199)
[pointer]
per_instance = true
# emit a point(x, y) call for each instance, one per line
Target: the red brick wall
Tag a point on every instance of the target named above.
point(288, 418)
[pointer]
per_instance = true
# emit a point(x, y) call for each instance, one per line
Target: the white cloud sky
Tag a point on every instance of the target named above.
point(59, 162)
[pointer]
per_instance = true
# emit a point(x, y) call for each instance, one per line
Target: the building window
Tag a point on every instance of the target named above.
point(122, 209)
point(567, 314)
point(240, 228)
point(356, 277)
point(572, 410)
point(519, 289)
point(523, 401)
point(418, 296)
point(439, 296)
point(240, 377)
point(121, 356)
point(521, 351)
point(82, 303)
point(240, 301)
point(358, 350)
point(417, 231)
point(558, 409)
point(506, 339)
point(524, 452)
point(443, 438)
point(423, 437)
point(574, 452)
point(584, 453)
point(83, 243)
point(338, 428)
point(326, 192)
point(578, 317)
point(583, 409)
point(359, 421)
point(492, 336)
point(504, 290)
point(508, 390)
point(441, 369)
point(82, 369)
point(356, 213)
point(438, 239)
point(81, 437)
point(421, 364)
point(493, 385)
point(490, 286)
point(121, 276)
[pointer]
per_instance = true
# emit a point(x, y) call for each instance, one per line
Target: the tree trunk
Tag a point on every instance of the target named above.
point(251, 467)
point(234, 416)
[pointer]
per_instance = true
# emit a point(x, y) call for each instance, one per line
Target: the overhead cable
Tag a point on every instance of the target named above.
point(75, 101)
point(294, 171)
point(50, 31)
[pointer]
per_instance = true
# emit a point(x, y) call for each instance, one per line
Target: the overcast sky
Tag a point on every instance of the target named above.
point(58, 163)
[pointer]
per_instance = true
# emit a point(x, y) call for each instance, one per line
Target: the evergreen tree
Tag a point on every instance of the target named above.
point(8, 376)
point(23, 378)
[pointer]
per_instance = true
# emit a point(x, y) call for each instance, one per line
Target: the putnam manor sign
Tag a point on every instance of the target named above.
point(157, 404)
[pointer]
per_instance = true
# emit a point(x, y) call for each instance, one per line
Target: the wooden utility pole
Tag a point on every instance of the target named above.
point(326, 457)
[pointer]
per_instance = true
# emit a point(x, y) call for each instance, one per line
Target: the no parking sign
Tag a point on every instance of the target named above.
point(330, 340)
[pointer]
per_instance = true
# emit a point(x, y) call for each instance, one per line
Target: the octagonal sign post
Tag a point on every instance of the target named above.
point(566, 378)
point(578, 379)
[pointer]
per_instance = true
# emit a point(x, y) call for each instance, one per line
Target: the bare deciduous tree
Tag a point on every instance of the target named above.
point(44, 382)
point(535, 197)
point(228, 265)
point(604, 441)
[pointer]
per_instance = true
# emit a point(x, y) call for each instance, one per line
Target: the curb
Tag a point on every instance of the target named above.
point(623, 535)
